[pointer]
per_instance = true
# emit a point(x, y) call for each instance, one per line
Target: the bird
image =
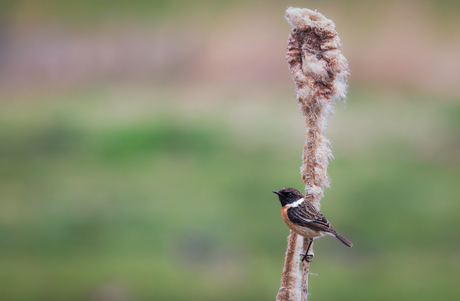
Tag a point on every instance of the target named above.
point(302, 217)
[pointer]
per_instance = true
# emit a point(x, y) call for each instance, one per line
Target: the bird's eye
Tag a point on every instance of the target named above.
point(290, 194)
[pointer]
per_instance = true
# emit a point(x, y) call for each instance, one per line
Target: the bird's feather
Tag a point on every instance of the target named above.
point(309, 216)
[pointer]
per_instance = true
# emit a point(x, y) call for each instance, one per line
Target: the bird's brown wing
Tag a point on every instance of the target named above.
point(307, 215)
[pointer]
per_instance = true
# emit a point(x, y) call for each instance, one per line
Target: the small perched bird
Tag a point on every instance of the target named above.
point(302, 217)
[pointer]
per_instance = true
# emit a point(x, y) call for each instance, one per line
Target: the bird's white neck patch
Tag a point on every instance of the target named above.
point(296, 203)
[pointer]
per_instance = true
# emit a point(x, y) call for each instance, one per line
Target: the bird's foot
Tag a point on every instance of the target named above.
point(307, 257)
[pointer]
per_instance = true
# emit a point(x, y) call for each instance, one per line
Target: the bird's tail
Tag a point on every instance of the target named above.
point(343, 240)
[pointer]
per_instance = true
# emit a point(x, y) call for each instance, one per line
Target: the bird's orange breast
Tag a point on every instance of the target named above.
point(286, 219)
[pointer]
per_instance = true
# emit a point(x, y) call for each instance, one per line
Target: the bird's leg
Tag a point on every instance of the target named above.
point(307, 256)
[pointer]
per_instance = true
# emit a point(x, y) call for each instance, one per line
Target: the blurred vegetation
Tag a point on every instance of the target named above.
point(133, 186)
point(171, 204)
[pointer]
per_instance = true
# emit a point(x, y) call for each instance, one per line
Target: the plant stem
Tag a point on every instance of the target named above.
point(305, 268)
point(291, 277)
point(319, 71)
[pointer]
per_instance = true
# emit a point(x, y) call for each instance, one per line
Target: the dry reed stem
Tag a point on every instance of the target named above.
point(305, 269)
point(319, 71)
point(291, 277)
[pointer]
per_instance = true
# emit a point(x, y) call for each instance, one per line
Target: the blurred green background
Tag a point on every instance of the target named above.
point(140, 142)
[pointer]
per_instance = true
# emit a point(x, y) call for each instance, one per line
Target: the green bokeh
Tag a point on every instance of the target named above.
point(132, 190)
point(179, 206)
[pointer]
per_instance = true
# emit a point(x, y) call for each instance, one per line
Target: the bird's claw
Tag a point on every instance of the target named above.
point(307, 257)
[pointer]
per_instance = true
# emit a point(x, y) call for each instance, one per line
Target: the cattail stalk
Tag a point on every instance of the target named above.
point(291, 278)
point(305, 271)
point(319, 71)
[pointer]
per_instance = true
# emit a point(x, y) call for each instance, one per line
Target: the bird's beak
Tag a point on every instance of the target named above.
point(277, 192)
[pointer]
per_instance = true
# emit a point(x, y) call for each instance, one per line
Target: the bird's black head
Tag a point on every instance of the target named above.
point(288, 195)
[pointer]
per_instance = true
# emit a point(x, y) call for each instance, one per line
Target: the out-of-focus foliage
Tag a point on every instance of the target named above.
point(164, 205)
point(134, 186)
